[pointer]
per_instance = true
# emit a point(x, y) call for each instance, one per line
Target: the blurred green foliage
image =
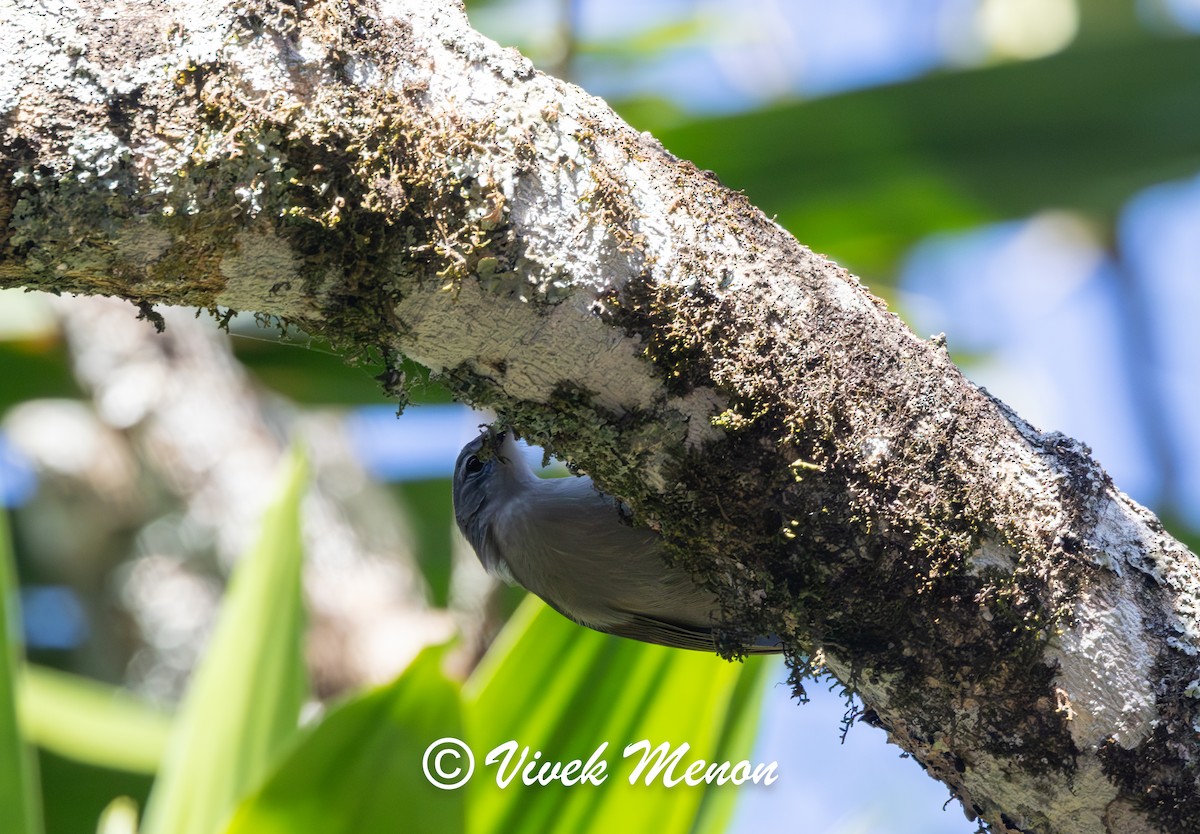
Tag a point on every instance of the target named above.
point(864, 176)
point(359, 770)
point(75, 793)
point(243, 703)
point(563, 690)
point(91, 722)
point(429, 512)
point(549, 685)
point(861, 176)
point(34, 369)
point(19, 808)
point(238, 761)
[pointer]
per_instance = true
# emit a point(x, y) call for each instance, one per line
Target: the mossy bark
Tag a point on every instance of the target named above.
point(384, 176)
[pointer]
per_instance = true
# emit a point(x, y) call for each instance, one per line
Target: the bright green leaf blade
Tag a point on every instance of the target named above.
point(360, 770)
point(91, 722)
point(20, 811)
point(243, 705)
point(564, 690)
point(739, 735)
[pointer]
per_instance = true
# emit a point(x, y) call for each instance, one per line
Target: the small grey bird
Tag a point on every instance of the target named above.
point(567, 542)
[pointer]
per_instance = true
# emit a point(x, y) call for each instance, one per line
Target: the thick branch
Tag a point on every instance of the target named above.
point(392, 180)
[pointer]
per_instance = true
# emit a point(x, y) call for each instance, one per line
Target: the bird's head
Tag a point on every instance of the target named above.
point(489, 470)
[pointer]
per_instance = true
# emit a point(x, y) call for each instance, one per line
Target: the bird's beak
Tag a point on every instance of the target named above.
point(497, 441)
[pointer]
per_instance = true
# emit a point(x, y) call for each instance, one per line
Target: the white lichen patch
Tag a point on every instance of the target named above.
point(37, 35)
point(534, 354)
point(1104, 667)
point(1122, 532)
point(994, 556)
point(874, 451)
point(204, 27)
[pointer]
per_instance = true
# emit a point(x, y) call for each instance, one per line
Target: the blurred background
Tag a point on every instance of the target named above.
point(1020, 175)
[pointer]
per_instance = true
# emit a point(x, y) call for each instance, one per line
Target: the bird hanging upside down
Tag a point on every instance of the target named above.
point(566, 541)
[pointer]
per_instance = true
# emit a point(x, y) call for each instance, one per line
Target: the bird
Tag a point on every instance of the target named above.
point(572, 545)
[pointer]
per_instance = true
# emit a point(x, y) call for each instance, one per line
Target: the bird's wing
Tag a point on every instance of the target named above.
point(570, 548)
point(650, 630)
point(660, 632)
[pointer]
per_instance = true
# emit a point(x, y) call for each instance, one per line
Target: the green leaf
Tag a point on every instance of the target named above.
point(564, 690)
point(91, 722)
point(20, 810)
point(243, 705)
point(864, 175)
point(360, 770)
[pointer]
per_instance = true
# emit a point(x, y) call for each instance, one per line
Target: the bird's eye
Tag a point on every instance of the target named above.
point(473, 465)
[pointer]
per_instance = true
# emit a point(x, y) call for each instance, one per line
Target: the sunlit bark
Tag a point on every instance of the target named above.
point(388, 178)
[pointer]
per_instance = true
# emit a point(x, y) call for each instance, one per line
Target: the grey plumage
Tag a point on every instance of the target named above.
point(565, 541)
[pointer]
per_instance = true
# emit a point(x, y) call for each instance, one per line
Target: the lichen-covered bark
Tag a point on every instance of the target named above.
point(383, 175)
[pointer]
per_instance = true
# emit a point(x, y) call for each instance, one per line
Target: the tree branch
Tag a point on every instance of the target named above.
point(390, 179)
